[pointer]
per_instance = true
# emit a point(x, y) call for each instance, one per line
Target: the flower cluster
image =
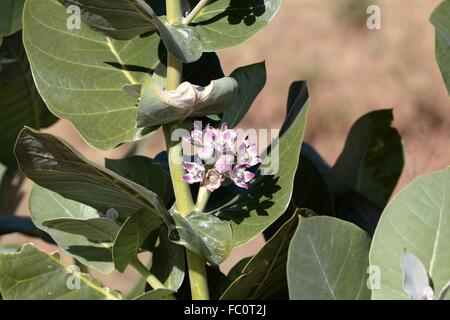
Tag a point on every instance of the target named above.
point(219, 159)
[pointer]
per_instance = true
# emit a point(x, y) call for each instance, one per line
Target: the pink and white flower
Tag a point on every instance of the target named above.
point(248, 154)
point(195, 172)
point(217, 146)
point(241, 176)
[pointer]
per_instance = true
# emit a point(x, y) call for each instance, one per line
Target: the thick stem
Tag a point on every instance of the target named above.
point(195, 11)
point(182, 191)
point(183, 195)
point(202, 199)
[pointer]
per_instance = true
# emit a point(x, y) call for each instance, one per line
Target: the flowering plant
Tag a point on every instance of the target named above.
point(120, 70)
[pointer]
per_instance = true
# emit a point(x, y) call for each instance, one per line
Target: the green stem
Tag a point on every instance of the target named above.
point(149, 277)
point(202, 199)
point(183, 195)
point(195, 11)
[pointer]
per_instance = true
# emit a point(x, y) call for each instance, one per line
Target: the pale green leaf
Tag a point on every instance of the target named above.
point(32, 274)
point(227, 23)
point(328, 260)
point(80, 73)
point(418, 220)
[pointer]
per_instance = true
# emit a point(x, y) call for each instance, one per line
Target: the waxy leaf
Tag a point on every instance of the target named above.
point(131, 236)
point(80, 73)
point(116, 19)
point(251, 80)
point(145, 172)
point(372, 160)
point(32, 274)
point(20, 104)
point(204, 234)
point(227, 23)
point(157, 106)
point(168, 261)
point(252, 211)
point(47, 205)
point(417, 219)
point(97, 229)
point(328, 260)
point(264, 276)
point(180, 40)
point(10, 17)
point(441, 20)
point(53, 164)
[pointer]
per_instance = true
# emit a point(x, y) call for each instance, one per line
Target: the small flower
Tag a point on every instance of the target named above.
point(226, 138)
point(225, 163)
point(213, 180)
point(206, 140)
point(195, 172)
point(240, 176)
point(248, 154)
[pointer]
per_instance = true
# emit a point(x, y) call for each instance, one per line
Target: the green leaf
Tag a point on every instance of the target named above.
point(311, 191)
point(158, 294)
point(32, 274)
point(46, 205)
point(418, 220)
point(55, 165)
point(80, 73)
point(372, 160)
point(227, 23)
point(155, 110)
point(168, 261)
point(10, 16)
point(147, 173)
point(264, 276)
point(116, 19)
point(251, 80)
point(268, 197)
point(20, 104)
point(204, 234)
point(97, 229)
point(328, 260)
point(441, 20)
point(131, 237)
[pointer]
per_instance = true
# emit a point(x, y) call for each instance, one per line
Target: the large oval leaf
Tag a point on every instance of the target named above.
point(227, 23)
point(55, 165)
point(204, 234)
point(46, 205)
point(418, 220)
point(372, 159)
point(20, 103)
point(441, 20)
point(131, 236)
point(31, 274)
point(264, 276)
point(80, 73)
point(328, 260)
point(251, 80)
point(268, 197)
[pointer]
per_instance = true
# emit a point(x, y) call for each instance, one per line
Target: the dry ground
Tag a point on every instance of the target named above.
point(351, 70)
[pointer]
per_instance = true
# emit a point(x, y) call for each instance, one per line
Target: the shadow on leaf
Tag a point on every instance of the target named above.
point(239, 12)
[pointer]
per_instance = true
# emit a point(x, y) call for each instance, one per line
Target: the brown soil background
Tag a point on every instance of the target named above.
point(350, 70)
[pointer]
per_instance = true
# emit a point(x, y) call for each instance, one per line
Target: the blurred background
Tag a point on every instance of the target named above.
point(350, 71)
